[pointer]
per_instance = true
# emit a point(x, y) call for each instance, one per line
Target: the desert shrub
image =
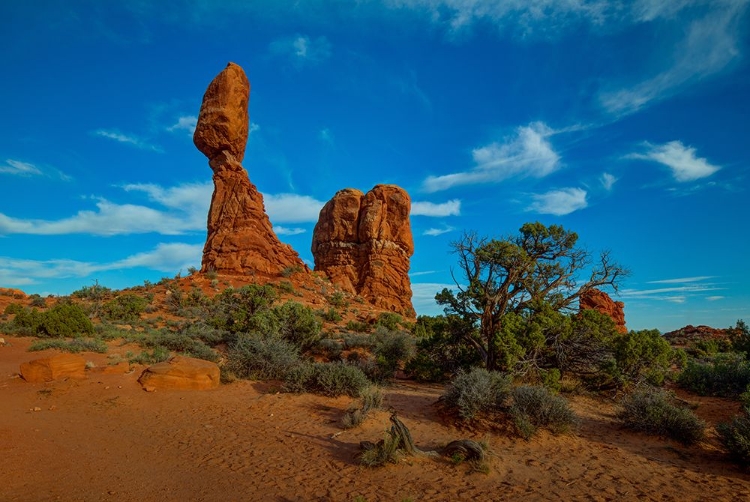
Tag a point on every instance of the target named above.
point(386, 451)
point(206, 333)
point(739, 338)
point(477, 391)
point(157, 355)
point(654, 411)
point(726, 375)
point(441, 349)
point(261, 357)
point(285, 286)
point(297, 324)
point(94, 292)
point(105, 331)
point(357, 341)
point(125, 308)
point(64, 320)
point(329, 379)
point(389, 320)
point(38, 301)
point(337, 299)
point(330, 315)
point(13, 308)
point(735, 436)
point(392, 350)
point(76, 345)
point(535, 407)
point(332, 348)
point(291, 270)
point(245, 310)
point(175, 342)
point(358, 326)
point(642, 356)
point(371, 398)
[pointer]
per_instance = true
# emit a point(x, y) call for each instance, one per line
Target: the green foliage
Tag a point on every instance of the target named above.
point(441, 349)
point(286, 287)
point(390, 321)
point(654, 411)
point(392, 350)
point(261, 357)
point(337, 299)
point(64, 320)
point(75, 346)
point(735, 436)
point(94, 292)
point(356, 340)
point(535, 407)
point(38, 301)
point(739, 336)
point(158, 355)
point(331, 348)
point(371, 398)
point(330, 315)
point(643, 355)
point(509, 280)
point(329, 379)
point(296, 323)
point(206, 333)
point(126, 308)
point(726, 375)
point(386, 451)
point(246, 310)
point(477, 391)
point(358, 327)
point(13, 308)
point(290, 270)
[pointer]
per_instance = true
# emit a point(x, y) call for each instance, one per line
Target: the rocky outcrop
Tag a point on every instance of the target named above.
point(48, 369)
point(692, 334)
point(240, 236)
point(363, 242)
point(600, 301)
point(183, 373)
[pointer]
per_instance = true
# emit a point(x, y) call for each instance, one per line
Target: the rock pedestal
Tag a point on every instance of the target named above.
point(601, 301)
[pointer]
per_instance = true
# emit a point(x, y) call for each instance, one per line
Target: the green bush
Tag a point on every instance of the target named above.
point(38, 301)
point(75, 346)
point(337, 299)
point(329, 379)
point(358, 341)
point(389, 320)
point(297, 324)
point(94, 292)
point(209, 335)
point(726, 375)
point(392, 350)
point(735, 436)
point(125, 308)
point(654, 411)
point(643, 356)
point(246, 310)
point(261, 357)
point(285, 286)
point(477, 391)
point(535, 407)
point(13, 308)
point(64, 320)
point(330, 315)
point(358, 327)
point(158, 355)
point(441, 349)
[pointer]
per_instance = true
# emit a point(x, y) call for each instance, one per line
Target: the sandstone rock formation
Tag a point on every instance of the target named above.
point(363, 242)
point(180, 372)
point(240, 236)
point(692, 334)
point(52, 368)
point(599, 300)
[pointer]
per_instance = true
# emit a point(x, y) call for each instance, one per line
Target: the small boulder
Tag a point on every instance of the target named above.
point(52, 368)
point(181, 372)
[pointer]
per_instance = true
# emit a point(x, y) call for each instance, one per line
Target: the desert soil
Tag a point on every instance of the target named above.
point(104, 438)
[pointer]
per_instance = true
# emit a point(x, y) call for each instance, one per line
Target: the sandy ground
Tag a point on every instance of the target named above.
point(104, 438)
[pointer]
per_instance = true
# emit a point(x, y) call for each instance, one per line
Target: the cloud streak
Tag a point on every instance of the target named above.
point(302, 50)
point(127, 139)
point(680, 159)
point(559, 202)
point(448, 208)
point(528, 153)
point(18, 168)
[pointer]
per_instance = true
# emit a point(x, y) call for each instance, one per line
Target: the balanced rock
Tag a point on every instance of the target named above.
point(185, 373)
point(240, 236)
point(601, 301)
point(363, 243)
point(48, 369)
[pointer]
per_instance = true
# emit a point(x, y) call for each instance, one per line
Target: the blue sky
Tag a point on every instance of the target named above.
point(625, 121)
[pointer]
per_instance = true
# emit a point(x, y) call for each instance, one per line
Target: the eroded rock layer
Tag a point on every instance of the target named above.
point(363, 242)
point(601, 301)
point(240, 236)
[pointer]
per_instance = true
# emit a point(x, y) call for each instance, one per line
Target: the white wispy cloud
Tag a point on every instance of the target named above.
point(292, 208)
point(128, 139)
point(709, 45)
point(528, 153)
point(438, 231)
point(423, 297)
point(608, 181)
point(279, 230)
point(714, 298)
point(302, 50)
point(184, 123)
point(448, 208)
point(165, 257)
point(681, 159)
point(19, 168)
point(326, 136)
point(681, 280)
point(559, 202)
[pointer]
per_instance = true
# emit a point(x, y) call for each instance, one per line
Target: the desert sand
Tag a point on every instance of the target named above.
point(104, 438)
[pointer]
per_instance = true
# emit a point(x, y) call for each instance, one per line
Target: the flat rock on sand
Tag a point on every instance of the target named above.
point(181, 373)
point(51, 368)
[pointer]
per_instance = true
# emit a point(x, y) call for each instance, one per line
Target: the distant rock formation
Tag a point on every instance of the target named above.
point(363, 242)
point(691, 334)
point(600, 301)
point(240, 236)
